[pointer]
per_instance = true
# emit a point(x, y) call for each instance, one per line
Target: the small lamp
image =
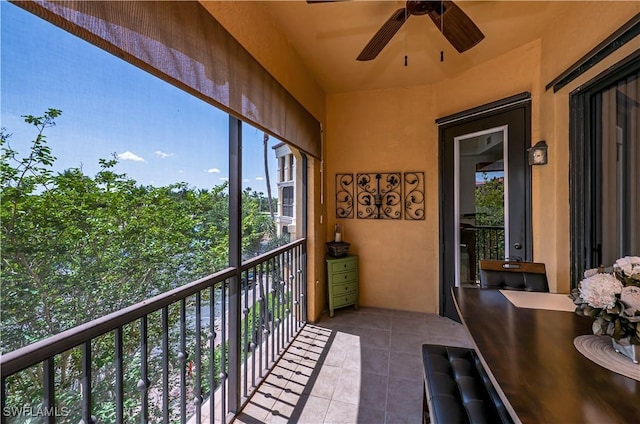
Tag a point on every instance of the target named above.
point(538, 153)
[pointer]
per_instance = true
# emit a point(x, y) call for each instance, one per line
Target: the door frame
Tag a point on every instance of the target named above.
point(504, 129)
point(520, 102)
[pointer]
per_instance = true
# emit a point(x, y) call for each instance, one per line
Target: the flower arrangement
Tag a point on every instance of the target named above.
point(613, 299)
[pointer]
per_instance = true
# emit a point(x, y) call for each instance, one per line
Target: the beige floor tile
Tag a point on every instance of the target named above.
point(314, 410)
point(341, 413)
point(359, 367)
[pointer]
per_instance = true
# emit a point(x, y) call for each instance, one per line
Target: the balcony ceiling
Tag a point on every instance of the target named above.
point(329, 36)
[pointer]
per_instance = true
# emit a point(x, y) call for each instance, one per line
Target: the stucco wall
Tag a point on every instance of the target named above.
point(388, 131)
point(394, 130)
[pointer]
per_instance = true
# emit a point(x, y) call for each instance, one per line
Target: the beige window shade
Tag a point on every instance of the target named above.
point(180, 42)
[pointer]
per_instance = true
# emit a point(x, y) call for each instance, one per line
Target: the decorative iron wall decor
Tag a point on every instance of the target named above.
point(344, 195)
point(414, 196)
point(379, 195)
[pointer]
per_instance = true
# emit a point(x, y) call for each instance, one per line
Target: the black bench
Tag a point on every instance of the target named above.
point(457, 389)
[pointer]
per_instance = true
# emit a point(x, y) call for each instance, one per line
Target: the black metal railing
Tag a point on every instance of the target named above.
point(489, 242)
point(165, 359)
point(482, 242)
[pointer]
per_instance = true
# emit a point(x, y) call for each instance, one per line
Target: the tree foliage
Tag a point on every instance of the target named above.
point(77, 247)
point(490, 202)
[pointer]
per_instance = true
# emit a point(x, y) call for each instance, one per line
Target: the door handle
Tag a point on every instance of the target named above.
point(517, 246)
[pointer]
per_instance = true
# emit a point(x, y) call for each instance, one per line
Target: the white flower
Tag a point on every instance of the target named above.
point(629, 265)
point(590, 272)
point(630, 296)
point(600, 290)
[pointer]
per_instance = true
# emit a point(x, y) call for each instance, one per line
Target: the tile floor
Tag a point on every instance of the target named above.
point(358, 367)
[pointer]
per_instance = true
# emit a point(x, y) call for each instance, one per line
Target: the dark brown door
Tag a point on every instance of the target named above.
point(485, 194)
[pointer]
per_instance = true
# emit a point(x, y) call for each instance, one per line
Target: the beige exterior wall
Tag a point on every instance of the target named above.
point(395, 130)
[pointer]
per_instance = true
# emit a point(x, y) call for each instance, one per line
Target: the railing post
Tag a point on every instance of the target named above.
point(49, 402)
point(235, 259)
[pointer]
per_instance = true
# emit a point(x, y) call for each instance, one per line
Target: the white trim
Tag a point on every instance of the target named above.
point(456, 190)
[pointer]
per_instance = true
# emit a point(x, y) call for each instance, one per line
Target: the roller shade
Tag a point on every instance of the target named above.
point(180, 42)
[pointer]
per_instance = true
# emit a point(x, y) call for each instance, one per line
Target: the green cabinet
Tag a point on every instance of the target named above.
point(342, 276)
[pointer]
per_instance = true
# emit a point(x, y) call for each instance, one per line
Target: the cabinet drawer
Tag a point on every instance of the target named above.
point(340, 289)
point(343, 266)
point(343, 300)
point(343, 277)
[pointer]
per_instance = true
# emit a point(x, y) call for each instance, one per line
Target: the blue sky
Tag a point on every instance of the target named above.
point(161, 134)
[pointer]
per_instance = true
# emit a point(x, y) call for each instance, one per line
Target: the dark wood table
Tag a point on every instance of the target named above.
point(530, 356)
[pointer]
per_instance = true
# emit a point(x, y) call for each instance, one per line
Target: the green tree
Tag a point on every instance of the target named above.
point(76, 247)
point(490, 201)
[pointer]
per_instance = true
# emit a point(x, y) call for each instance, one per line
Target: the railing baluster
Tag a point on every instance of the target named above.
point(272, 315)
point(86, 383)
point(223, 355)
point(3, 399)
point(48, 380)
point(117, 335)
point(182, 357)
point(280, 304)
point(198, 388)
point(265, 315)
point(212, 352)
point(255, 328)
point(260, 332)
point(245, 330)
point(289, 310)
point(303, 300)
point(165, 365)
point(143, 383)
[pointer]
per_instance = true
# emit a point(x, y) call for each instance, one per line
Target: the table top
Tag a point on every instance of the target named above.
point(530, 356)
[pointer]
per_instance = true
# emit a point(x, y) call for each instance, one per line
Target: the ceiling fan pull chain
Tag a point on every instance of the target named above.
point(441, 28)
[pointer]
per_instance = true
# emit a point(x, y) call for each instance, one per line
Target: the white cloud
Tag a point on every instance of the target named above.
point(130, 156)
point(162, 154)
point(246, 180)
point(259, 178)
point(213, 171)
point(224, 178)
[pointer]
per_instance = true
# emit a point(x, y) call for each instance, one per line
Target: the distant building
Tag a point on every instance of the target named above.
point(286, 216)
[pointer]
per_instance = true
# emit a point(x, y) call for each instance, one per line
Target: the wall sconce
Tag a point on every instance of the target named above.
point(538, 153)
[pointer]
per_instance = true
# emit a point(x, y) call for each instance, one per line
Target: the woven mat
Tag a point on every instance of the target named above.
point(599, 350)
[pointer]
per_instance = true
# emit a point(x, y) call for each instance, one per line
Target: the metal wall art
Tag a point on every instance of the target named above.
point(379, 195)
point(414, 196)
point(344, 195)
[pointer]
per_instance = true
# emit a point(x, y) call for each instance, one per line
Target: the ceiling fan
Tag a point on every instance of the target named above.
point(454, 24)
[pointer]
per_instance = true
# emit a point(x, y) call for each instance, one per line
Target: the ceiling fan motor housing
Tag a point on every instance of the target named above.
point(423, 7)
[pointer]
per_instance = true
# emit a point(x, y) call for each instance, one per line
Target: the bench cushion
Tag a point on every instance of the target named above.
point(458, 389)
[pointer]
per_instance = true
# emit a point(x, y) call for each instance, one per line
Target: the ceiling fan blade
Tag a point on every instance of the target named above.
point(456, 26)
point(384, 35)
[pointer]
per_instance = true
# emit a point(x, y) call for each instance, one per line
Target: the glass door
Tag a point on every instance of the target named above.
point(480, 204)
point(485, 193)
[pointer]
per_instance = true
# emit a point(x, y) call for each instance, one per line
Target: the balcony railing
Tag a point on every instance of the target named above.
point(169, 358)
point(482, 242)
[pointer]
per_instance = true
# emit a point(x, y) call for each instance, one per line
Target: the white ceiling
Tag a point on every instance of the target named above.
point(329, 36)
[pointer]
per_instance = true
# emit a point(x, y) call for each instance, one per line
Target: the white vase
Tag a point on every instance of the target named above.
point(630, 351)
